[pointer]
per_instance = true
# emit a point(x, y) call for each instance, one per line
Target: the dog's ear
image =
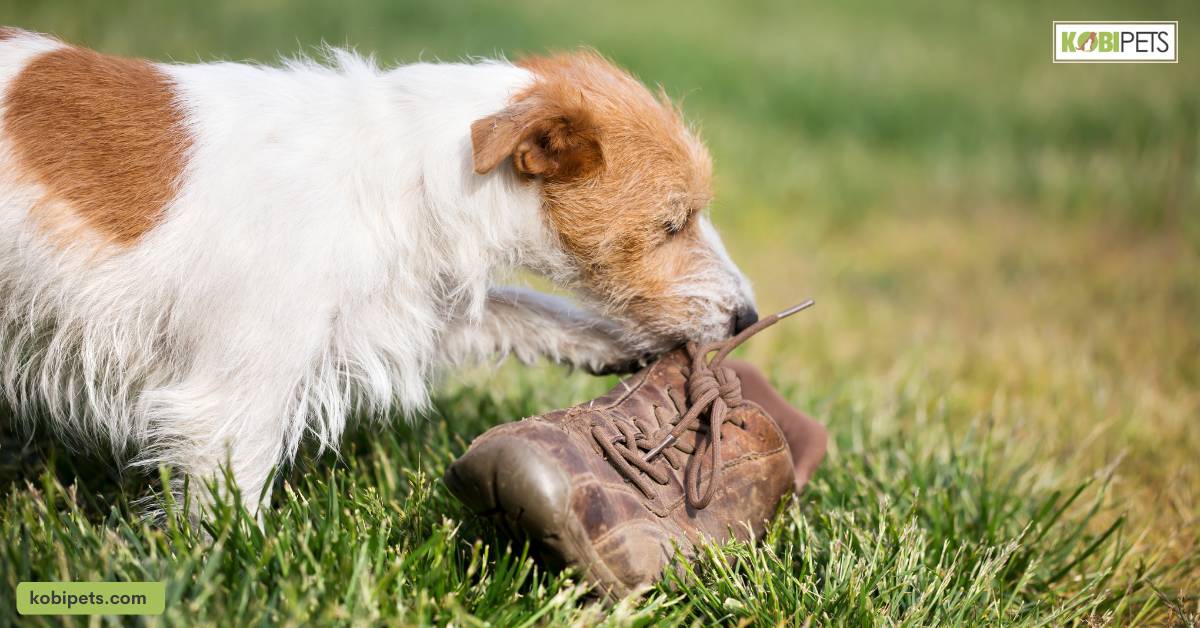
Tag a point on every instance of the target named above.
point(548, 136)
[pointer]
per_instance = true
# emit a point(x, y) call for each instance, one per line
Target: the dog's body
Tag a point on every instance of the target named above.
point(206, 262)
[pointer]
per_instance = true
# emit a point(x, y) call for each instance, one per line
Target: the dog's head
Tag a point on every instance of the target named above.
point(625, 188)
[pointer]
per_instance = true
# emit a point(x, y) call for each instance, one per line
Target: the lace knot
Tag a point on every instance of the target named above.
point(712, 389)
point(706, 384)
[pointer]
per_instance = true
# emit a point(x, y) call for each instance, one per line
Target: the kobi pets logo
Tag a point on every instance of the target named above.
point(1116, 42)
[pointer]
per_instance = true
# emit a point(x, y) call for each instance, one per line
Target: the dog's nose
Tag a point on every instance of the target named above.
point(744, 317)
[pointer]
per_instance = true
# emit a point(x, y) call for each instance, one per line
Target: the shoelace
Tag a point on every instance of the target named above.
point(712, 389)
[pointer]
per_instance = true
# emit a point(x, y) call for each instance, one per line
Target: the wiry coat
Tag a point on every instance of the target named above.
point(210, 280)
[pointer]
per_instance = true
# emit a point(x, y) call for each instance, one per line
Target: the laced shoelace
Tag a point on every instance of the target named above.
point(712, 389)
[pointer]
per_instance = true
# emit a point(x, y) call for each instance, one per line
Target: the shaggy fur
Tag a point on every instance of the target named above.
point(242, 256)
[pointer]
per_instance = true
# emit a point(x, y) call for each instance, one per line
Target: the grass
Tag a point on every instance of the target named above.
point(1006, 258)
point(901, 530)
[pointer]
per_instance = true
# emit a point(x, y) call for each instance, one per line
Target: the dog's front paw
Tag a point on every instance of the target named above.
point(620, 367)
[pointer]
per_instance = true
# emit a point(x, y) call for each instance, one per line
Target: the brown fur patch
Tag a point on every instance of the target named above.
point(625, 206)
point(7, 32)
point(102, 134)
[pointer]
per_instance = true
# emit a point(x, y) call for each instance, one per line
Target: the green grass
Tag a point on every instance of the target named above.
point(899, 529)
point(1006, 258)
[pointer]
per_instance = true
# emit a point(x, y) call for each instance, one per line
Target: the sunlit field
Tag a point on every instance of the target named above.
point(1005, 255)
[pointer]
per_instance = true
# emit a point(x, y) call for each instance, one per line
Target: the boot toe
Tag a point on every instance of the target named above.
point(511, 476)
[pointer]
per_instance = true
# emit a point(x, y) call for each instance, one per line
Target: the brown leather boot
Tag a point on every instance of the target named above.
point(612, 486)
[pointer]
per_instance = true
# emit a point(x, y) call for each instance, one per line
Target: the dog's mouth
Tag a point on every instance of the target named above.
point(659, 337)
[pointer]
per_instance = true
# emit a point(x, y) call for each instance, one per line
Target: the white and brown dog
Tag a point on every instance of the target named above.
point(204, 263)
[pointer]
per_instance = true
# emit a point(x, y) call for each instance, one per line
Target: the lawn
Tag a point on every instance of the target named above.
point(1006, 347)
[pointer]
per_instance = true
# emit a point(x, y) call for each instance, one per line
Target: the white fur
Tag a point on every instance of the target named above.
point(329, 251)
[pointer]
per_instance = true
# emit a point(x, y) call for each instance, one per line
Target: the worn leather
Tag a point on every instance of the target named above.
point(546, 477)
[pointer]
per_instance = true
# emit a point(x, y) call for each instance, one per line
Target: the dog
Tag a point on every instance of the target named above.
point(206, 264)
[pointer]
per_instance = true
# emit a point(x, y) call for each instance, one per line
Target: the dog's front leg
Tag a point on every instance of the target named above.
point(531, 324)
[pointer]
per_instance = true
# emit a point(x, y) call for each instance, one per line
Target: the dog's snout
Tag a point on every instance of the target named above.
point(745, 316)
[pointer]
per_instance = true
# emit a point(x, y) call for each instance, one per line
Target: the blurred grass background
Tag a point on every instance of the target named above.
point(1009, 244)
